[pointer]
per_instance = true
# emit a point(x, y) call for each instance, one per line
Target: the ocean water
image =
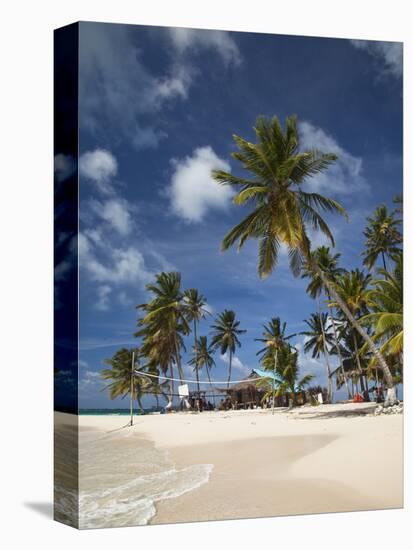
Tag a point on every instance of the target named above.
point(122, 477)
point(116, 412)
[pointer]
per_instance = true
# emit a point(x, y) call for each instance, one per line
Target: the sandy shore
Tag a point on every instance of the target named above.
point(310, 460)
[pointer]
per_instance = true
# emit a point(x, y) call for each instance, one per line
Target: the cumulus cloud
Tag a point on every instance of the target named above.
point(118, 90)
point(90, 379)
point(103, 293)
point(99, 166)
point(116, 212)
point(222, 42)
point(389, 55)
point(64, 167)
point(236, 363)
point(193, 191)
point(113, 265)
point(343, 177)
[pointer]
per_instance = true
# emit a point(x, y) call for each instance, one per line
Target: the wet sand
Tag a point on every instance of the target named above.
point(311, 460)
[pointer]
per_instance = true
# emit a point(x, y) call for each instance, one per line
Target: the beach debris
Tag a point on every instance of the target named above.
point(397, 408)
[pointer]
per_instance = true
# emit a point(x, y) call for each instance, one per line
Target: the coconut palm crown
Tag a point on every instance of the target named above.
point(282, 210)
point(382, 237)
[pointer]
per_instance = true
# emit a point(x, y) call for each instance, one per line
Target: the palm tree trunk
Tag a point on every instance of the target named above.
point(356, 350)
point(373, 348)
point(172, 388)
point(384, 261)
point(229, 368)
point(329, 381)
point(340, 357)
point(131, 387)
point(273, 382)
point(140, 403)
point(210, 383)
point(178, 359)
point(196, 358)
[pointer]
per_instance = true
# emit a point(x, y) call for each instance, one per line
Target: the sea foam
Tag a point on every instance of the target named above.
point(123, 476)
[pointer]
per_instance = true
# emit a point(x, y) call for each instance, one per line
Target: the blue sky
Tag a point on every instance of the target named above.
point(158, 108)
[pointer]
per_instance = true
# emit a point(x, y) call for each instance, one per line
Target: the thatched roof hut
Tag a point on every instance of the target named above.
point(246, 394)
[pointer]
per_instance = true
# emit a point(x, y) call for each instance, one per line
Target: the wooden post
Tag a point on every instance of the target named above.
point(131, 387)
point(273, 380)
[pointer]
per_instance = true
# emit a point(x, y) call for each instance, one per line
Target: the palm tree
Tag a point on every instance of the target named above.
point(165, 315)
point(283, 212)
point(398, 201)
point(225, 334)
point(203, 357)
point(164, 324)
point(352, 287)
point(328, 264)
point(286, 376)
point(386, 302)
point(194, 304)
point(382, 237)
point(355, 358)
point(274, 338)
point(125, 379)
point(320, 339)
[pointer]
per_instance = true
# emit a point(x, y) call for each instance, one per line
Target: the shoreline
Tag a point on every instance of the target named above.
point(307, 460)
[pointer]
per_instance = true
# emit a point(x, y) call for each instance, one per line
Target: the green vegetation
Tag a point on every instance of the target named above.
point(359, 318)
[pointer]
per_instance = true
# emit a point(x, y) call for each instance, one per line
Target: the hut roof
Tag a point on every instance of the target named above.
point(250, 380)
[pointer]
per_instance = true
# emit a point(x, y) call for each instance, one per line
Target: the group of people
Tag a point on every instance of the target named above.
point(198, 402)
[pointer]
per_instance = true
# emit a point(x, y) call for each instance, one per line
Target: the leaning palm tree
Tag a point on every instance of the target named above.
point(225, 332)
point(382, 237)
point(283, 212)
point(320, 341)
point(328, 264)
point(386, 303)
point(194, 308)
point(203, 357)
point(125, 379)
point(352, 287)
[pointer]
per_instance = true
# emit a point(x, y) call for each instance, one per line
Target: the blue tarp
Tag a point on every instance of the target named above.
point(265, 374)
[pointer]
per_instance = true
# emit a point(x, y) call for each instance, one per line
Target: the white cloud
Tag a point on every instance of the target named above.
point(389, 55)
point(343, 177)
point(99, 166)
point(90, 380)
point(116, 212)
point(117, 90)
point(193, 191)
point(186, 40)
point(64, 167)
point(103, 293)
point(119, 265)
point(236, 363)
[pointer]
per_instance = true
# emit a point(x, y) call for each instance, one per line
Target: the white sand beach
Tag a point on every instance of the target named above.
point(240, 464)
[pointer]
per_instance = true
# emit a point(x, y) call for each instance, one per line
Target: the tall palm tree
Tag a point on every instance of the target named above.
point(164, 316)
point(203, 357)
point(164, 324)
point(225, 332)
point(125, 379)
point(382, 237)
point(352, 287)
point(328, 264)
point(320, 342)
point(194, 304)
point(386, 303)
point(283, 212)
